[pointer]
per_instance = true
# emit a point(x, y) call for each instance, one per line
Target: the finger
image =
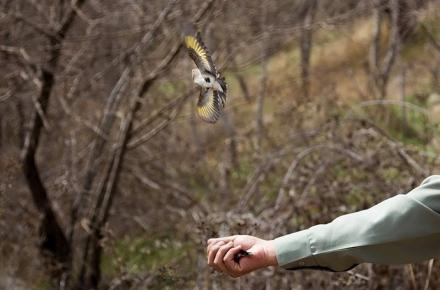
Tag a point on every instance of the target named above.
point(233, 268)
point(213, 248)
point(212, 252)
point(210, 247)
point(224, 239)
point(229, 257)
point(218, 261)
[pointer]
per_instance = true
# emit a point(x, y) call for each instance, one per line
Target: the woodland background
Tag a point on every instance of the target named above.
point(108, 180)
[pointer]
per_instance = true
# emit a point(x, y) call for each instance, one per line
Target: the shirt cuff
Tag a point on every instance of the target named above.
point(293, 250)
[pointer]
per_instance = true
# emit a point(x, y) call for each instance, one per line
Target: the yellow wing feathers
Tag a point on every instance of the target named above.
point(208, 114)
point(192, 43)
point(210, 105)
point(199, 53)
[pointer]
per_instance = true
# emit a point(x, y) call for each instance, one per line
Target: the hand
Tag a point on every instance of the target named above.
point(221, 252)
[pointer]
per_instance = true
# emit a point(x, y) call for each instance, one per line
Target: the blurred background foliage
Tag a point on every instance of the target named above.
point(333, 106)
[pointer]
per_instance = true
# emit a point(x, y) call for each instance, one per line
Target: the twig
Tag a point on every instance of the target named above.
point(5, 96)
point(431, 38)
point(144, 43)
point(158, 113)
point(32, 70)
point(44, 31)
point(398, 147)
point(80, 120)
point(412, 277)
point(294, 164)
point(395, 102)
point(428, 276)
point(153, 132)
point(359, 276)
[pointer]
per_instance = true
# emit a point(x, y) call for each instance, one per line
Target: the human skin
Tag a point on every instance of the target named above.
point(221, 252)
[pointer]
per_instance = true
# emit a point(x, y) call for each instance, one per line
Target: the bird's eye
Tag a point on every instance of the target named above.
point(207, 80)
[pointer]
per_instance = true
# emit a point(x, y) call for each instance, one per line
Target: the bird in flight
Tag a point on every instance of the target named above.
point(213, 87)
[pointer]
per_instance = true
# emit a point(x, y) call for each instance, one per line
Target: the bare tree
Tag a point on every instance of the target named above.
point(308, 15)
point(259, 121)
point(382, 67)
point(53, 239)
point(90, 270)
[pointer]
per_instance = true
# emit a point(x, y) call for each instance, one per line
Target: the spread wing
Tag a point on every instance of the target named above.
point(210, 105)
point(199, 53)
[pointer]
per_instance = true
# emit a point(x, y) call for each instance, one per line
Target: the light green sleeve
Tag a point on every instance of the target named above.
point(401, 229)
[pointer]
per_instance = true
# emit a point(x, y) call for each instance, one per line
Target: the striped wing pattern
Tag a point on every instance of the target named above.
point(200, 54)
point(210, 105)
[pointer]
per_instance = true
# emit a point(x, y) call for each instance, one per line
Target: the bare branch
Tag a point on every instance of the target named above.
point(97, 147)
point(146, 40)
point(49, 33)
point(5, 96)
point(294, 164)
point(431, 38)
point(428, 276)
point(162, 125)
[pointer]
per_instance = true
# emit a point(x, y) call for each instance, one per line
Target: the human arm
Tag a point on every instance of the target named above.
point(401, 229)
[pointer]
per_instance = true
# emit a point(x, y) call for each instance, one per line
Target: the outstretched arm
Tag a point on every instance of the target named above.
point(401, 229)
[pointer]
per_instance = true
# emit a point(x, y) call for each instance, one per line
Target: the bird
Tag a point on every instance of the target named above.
point(213, 86)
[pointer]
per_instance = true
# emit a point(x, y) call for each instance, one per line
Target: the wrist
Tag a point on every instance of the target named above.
point(271, 255)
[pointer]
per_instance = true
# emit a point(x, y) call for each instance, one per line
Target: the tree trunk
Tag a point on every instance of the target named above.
point(306, 45)
point(53, 242)
point(381, 69)
point(259, 122)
